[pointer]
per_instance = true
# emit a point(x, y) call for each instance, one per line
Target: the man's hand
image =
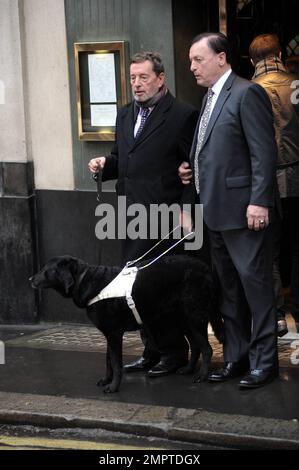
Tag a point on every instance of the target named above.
point(257, 217)
point(185, 173)
point(96, 164)
point(186, 221)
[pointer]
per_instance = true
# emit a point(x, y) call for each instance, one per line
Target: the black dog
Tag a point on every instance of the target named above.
point(174, 289)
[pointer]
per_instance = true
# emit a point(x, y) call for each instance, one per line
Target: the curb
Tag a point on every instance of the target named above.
point(179, 424)
point(229, 440)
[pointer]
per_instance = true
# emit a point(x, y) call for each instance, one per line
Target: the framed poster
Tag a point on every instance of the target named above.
point(101, 88)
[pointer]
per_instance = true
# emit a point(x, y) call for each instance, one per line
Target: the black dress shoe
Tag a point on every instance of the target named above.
point(229, 371)
point(141, 364)
point(282, 328)
point(164, 368)
point(258, 378)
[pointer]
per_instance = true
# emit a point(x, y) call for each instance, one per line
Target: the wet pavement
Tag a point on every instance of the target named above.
point(65, 362)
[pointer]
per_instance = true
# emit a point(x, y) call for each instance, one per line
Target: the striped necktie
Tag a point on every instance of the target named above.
point(201, 135)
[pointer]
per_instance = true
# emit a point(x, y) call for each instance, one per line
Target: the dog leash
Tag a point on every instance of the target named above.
point(98, 178)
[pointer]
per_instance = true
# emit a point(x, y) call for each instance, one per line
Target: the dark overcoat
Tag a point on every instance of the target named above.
point(146, 168)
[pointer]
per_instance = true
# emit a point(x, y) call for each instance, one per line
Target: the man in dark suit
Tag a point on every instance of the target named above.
point(153, 137)
point(233, 159)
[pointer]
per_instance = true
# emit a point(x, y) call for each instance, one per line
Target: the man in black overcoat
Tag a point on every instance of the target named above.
point(153, 137)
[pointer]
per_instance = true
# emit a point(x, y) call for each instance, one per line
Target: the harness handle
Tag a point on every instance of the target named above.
point(131, 263)
point(166, 251)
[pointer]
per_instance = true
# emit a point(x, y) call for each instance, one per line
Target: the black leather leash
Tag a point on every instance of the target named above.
point(98, 178)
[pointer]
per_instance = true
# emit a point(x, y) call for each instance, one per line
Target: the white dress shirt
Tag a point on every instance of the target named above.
point(217, 87)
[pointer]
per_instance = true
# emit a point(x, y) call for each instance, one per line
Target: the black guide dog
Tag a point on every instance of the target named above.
point(176, 290)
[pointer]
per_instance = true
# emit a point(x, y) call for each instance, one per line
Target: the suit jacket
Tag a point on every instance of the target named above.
point(238, 155)
point(147, 168)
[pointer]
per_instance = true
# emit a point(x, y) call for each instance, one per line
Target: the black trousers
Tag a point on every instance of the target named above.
point(286, 254)
point(243, 260)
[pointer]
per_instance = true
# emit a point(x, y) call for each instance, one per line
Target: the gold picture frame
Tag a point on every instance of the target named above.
point(101, 87)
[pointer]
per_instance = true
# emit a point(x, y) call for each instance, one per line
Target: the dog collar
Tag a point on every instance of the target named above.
point(120, 286)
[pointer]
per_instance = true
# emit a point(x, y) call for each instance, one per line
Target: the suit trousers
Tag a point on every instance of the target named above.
point(243, 260)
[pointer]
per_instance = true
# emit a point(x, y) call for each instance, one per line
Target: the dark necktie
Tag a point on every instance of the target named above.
point(144, 112)
point(201, 135)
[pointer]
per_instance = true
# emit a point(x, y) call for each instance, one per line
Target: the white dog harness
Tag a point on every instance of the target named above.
point(121, 286)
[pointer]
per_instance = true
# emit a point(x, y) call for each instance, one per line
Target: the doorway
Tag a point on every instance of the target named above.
point(245, 20)
point(190, 17)
point(248, 18)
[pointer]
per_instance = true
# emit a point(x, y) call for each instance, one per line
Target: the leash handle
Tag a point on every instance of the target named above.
point(98, 178)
